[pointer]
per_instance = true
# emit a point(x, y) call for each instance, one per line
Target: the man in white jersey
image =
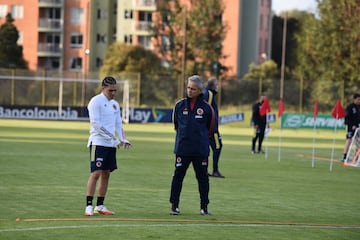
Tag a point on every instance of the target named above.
point(105, 121)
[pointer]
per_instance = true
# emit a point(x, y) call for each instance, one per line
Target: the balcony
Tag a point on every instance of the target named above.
point(143, 27)
point(51, 3)
point(146, 5)
point(46, 24)
point(49, 50)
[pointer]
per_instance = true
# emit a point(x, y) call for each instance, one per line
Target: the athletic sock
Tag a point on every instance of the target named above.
point(100, 201)
point(344, 156)
point(89, 200)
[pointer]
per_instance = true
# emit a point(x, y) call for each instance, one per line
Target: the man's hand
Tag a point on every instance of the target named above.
point(125, 145)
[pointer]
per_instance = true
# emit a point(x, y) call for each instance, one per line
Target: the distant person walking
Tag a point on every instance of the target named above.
point(105, 121)
point(259, 121)
point(194, 121)
point(210, 93)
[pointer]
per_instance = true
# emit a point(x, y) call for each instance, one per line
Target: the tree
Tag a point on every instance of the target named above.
point(155, 87)
point(203, 38)
point(331, 50)
point(264, 75)
point(11, 55)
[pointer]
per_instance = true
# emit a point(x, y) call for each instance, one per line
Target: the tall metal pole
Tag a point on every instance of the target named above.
point(183, 66)
point(283, 57)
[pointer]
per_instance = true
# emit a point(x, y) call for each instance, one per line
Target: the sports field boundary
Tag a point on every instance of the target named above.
point(195, 221)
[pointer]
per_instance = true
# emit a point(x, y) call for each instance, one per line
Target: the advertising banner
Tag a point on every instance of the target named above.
point(324, 121)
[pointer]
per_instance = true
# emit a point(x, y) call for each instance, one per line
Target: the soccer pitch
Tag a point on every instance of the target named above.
point(44, 170)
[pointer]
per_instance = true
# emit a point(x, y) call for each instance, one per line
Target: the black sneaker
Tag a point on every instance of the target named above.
point(216, 174)
point(204, 212)
point(174, 210)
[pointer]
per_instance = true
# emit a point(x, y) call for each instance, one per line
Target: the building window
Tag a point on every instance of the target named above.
point(145, 16)
point(99, 62)
point(145, 42)
point(128, 39)
point(75, 63)
point(17, 11)
point(3, 10)
point(76, 40)
point(77, 16)
point(102, 14)
point(115, 8)
point(101, 38)
point(128, 14)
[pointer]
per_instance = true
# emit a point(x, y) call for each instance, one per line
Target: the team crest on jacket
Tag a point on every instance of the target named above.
point(114, 106)
point(185, 111)
point(200, 111)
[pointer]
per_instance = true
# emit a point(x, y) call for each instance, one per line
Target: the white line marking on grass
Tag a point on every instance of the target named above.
point(179, 225)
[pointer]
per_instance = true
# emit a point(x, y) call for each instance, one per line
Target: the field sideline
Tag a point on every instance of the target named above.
point(45, 169)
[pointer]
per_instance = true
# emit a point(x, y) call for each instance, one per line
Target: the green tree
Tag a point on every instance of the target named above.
point(331, 50)
point(155, 87)
point(11, 55)
point(205, 32)
point(263, 75)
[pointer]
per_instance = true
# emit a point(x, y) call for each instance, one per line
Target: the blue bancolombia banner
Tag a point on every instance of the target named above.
point(136, 115)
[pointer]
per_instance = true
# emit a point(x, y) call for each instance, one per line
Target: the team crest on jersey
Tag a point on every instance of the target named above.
point(199, 113)
point(114, 106)
point(178, 162)
point(185, 111)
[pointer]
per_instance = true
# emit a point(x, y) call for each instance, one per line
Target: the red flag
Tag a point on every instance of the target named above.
point(265, 107)
point(315, 109)
point(338, 111)
point(281, 107)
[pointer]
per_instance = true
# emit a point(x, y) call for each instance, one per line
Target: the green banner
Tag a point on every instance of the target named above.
point(295, 120)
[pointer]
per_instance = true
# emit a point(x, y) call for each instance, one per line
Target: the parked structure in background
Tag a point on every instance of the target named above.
point(75, 34)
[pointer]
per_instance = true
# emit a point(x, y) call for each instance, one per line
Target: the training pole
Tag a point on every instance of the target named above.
point(280, 135)
point(332, 151)
point(313, 150)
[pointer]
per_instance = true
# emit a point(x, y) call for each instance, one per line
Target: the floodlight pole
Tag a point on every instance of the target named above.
point(283, 57)
point(183, 66)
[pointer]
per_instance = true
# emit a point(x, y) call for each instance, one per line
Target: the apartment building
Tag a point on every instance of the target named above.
point(248, 39)
point(70, 35)
point(73, 35)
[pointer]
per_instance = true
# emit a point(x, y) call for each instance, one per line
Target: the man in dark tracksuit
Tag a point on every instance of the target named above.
point(194, 121)
point(215, 139)
point(259, 122)
point(352, 121)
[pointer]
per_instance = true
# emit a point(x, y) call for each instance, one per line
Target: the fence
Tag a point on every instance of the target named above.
point(54, 88)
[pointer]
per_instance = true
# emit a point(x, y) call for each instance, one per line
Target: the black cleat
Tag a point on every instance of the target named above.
point(174, 210)
point(216, 174)
point(204, 212)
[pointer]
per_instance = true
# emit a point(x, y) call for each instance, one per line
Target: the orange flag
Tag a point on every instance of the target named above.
point(338, 111)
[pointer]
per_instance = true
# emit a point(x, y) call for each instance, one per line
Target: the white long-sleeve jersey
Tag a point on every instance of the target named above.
point(105, 122)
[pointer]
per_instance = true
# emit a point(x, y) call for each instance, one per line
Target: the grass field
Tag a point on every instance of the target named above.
point(44, 170)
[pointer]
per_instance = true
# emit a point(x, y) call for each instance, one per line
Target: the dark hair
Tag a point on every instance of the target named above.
point(108, 81)
point(356, 95)
point(212, 82)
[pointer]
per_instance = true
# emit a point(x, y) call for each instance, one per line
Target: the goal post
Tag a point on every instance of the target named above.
point(125, 106)
point(353, 154)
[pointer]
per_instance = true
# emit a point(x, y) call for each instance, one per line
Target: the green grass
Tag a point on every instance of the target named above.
point(44, 170)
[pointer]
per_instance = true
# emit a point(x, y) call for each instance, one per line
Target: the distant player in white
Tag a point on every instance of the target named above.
point(105, 121)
